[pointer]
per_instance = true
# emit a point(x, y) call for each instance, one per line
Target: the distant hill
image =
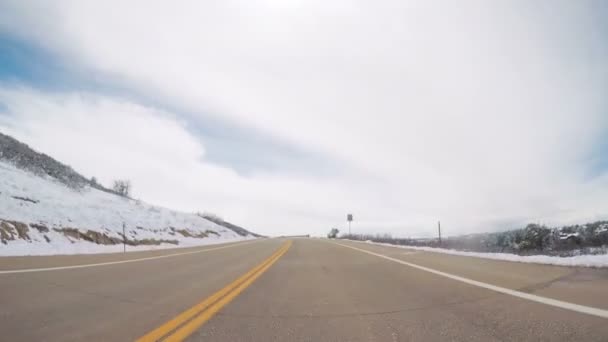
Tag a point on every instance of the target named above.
point(239, 230)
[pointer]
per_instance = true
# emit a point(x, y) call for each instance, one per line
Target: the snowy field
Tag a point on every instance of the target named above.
point(579, 260)
point(51, 206)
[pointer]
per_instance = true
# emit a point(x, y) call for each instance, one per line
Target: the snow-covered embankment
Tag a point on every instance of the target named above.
point(41, 216)
point(600, 260)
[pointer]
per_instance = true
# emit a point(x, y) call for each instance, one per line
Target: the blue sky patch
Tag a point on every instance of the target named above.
point(246, 151)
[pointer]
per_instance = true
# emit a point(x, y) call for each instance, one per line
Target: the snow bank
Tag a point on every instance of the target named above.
point(579, 260)
point(31, 199)
point(64, 247)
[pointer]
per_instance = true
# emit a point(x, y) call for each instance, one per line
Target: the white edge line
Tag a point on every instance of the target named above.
point(544, 300)
point(44, 269)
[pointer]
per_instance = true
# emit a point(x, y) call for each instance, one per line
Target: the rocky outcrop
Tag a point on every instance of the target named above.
point(104, 239)
point(12, 230)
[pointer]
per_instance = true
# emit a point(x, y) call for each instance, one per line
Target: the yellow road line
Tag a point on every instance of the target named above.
point(196, 316)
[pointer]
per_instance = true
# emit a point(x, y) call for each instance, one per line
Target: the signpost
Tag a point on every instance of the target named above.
point(349, 218)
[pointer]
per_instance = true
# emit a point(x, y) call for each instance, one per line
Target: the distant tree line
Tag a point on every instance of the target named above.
point(590, 238)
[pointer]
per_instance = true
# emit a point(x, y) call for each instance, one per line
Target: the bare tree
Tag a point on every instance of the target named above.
point(333, 233)
point(122, 187)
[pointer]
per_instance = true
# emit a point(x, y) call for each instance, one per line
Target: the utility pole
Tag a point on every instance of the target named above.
point(439, 230)
point(124, 239)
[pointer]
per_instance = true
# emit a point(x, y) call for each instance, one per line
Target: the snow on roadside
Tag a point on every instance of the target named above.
point(60, 246)
point(600, 260)
point(31, 199)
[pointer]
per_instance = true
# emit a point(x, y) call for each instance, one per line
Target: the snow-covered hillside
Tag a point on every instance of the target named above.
point(40, 215)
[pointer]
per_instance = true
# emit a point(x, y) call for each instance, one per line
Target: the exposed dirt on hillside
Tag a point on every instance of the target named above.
point(200, 235)
point(11, 230)
point(104, 239)
point(14, 230)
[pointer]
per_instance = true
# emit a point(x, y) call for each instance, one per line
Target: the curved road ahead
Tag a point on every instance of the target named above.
point(297, 290)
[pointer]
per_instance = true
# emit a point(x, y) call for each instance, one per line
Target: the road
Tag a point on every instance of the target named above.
point(297, 290)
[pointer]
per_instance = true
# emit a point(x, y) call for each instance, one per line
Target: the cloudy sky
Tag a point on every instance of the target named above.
point(284, 115)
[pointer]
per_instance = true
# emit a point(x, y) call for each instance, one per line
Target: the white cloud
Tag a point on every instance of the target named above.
point(109, 139)
point(477, 115)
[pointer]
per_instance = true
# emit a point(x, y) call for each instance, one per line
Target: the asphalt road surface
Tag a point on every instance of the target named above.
point(297, 290)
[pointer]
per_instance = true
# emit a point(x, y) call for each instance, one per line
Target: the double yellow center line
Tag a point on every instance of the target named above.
point(187, 322)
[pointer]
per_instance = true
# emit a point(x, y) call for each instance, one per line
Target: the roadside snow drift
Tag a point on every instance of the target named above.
point(39, 215)
point(600, 260)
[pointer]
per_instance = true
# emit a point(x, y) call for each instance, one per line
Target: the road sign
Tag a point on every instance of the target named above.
point(349, 218)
